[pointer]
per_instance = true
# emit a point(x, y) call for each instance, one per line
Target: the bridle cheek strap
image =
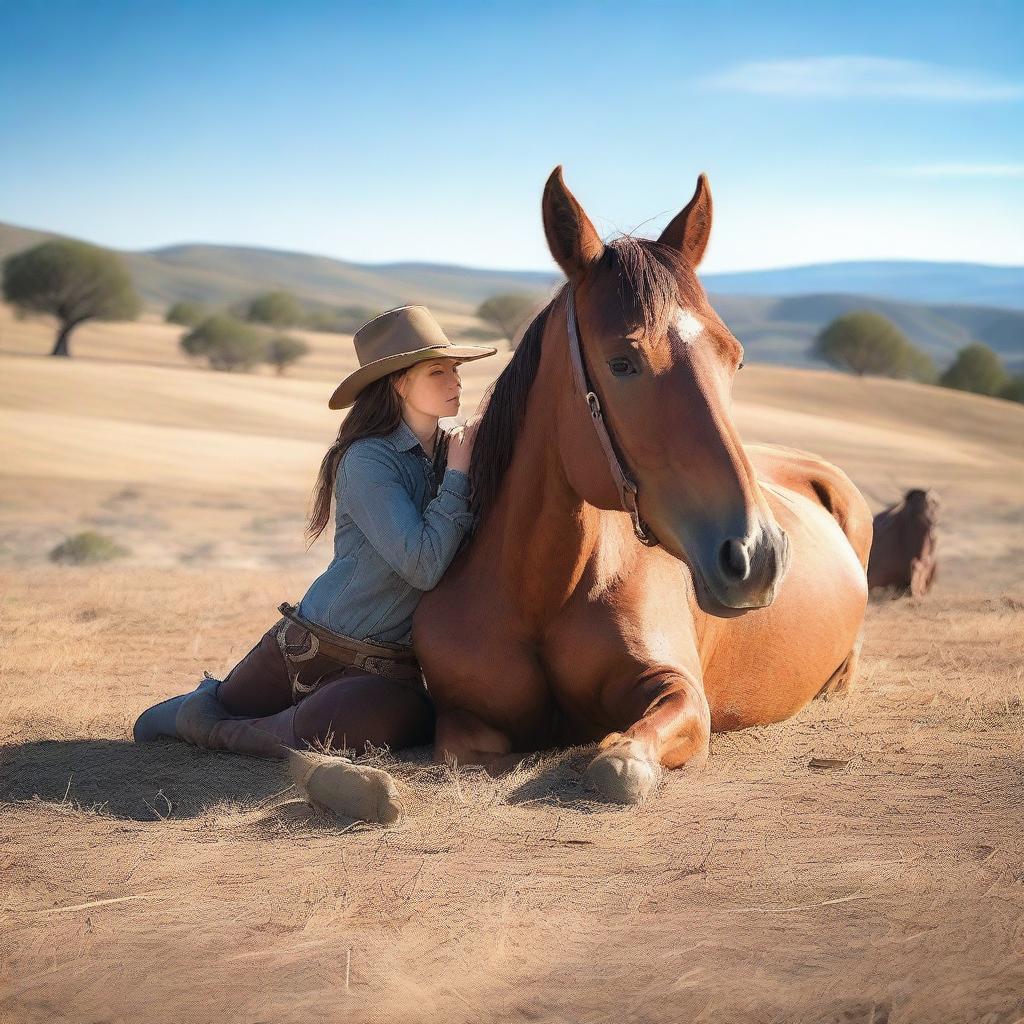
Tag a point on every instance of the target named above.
point(628, 491)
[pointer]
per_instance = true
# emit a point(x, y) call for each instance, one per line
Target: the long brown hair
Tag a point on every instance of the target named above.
point(376, 412)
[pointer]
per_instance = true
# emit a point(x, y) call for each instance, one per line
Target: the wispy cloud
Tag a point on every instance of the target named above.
point(955, 170)
point(855, 77)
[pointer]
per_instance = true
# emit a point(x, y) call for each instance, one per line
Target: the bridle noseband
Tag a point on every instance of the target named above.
point(628, 492)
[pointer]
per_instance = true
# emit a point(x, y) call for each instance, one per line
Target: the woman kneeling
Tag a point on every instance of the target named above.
point(338, 671)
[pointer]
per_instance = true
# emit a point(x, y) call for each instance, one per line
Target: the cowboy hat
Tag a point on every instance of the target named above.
point(395, 340)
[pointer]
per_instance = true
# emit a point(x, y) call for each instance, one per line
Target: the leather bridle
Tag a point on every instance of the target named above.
point(628, 492)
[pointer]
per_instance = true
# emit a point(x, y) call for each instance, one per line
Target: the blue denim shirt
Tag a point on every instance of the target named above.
point(393, 539)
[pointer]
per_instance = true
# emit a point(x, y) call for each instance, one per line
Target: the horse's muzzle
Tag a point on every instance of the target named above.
point(741, 573)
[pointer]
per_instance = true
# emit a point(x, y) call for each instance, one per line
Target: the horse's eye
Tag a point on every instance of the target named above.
point(621, 366)
point(740, 367)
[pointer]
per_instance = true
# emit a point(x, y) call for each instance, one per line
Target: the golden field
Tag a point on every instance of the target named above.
point(174, 884)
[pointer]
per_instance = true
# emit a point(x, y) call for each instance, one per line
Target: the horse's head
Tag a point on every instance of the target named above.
point(923, 505)
point(661, 363)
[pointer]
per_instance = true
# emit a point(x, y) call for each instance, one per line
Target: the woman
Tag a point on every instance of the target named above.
point(339, 670)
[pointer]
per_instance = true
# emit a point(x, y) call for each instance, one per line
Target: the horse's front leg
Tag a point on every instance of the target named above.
point(922, 572)
point(671, 727)
point(464, 739)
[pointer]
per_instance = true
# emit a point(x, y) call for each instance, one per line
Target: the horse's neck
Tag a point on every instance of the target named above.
point(540, 535)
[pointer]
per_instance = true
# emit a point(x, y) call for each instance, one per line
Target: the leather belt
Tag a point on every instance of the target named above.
point(375, 658)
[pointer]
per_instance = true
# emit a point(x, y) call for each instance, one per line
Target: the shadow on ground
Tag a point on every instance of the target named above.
point(138, 782)
point(170, 780)
point(555, 779)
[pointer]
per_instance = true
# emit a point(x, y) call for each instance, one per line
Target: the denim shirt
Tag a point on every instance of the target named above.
point(393, 539)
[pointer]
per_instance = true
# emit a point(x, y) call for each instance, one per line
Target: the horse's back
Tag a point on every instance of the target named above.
point(821, 481)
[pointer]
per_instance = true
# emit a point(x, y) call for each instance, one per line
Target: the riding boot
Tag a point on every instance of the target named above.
point(273, 736)
point(203, 721)
point(160, 721)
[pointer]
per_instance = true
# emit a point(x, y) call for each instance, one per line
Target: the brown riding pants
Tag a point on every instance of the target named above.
point(330, 704)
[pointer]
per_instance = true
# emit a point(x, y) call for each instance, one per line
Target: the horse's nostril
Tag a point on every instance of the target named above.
point(735, 560)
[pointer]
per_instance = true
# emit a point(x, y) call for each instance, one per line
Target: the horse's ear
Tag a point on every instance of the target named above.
point(572, 239)
point(690, 229)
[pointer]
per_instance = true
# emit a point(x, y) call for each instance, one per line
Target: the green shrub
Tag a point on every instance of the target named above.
point(279, 309)
point(284, 350)
point(188, 314)
point(228, 343)
point(976, 368)
point(87, 548)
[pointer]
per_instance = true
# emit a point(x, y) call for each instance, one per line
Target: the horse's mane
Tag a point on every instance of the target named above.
point(649, 285)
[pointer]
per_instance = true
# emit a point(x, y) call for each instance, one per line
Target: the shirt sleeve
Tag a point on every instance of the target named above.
point(419, 547)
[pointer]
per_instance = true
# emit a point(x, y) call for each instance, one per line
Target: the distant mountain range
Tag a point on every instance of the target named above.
point(775, 313)
point(973, 284)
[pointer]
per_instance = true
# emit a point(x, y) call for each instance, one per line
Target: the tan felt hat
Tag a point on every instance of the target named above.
point(394, 340)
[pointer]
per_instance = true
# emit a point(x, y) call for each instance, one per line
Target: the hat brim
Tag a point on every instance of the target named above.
point(348, 390)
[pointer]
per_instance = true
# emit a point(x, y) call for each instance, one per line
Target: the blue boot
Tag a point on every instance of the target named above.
point(158, 721)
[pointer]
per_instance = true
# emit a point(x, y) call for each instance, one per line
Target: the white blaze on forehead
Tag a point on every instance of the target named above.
point(687, 326)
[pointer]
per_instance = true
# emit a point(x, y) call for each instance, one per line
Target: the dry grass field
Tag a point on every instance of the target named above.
point(884, 883)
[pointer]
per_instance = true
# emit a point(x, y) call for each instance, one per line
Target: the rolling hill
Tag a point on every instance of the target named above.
point(767, 310)
point(131, 411)
point(781, 330)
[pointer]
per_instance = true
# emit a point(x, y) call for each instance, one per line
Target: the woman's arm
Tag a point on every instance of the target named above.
point(419, 547)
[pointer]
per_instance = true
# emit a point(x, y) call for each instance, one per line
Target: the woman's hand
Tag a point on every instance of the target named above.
point(460, 446)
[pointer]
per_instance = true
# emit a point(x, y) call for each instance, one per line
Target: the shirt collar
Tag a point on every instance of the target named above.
point(403, 438)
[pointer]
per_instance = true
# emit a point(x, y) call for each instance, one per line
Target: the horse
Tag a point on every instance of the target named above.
point(903, 551)
point(637, 578)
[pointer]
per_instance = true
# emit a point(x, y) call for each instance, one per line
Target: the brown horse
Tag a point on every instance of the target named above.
point(729, 592)
point(903, 552)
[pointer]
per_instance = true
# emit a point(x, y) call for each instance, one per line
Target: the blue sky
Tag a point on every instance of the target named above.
point(392, 131)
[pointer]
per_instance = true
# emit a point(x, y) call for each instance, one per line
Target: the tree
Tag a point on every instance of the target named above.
point(867, 342)
point(976, 368)
point(1013, 389)
point(919, 365)
point(508, 313)
point(228, 343)
point(72, 281)
point(283, 350)
point(188, 314)
point(279, 309)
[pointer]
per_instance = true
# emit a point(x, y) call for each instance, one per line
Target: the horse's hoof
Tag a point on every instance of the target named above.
point(160, 721)
point(623, 773)
point(350, 790)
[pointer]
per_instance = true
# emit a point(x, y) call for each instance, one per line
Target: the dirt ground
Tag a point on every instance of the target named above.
point(164, 882)
point(861, 862)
